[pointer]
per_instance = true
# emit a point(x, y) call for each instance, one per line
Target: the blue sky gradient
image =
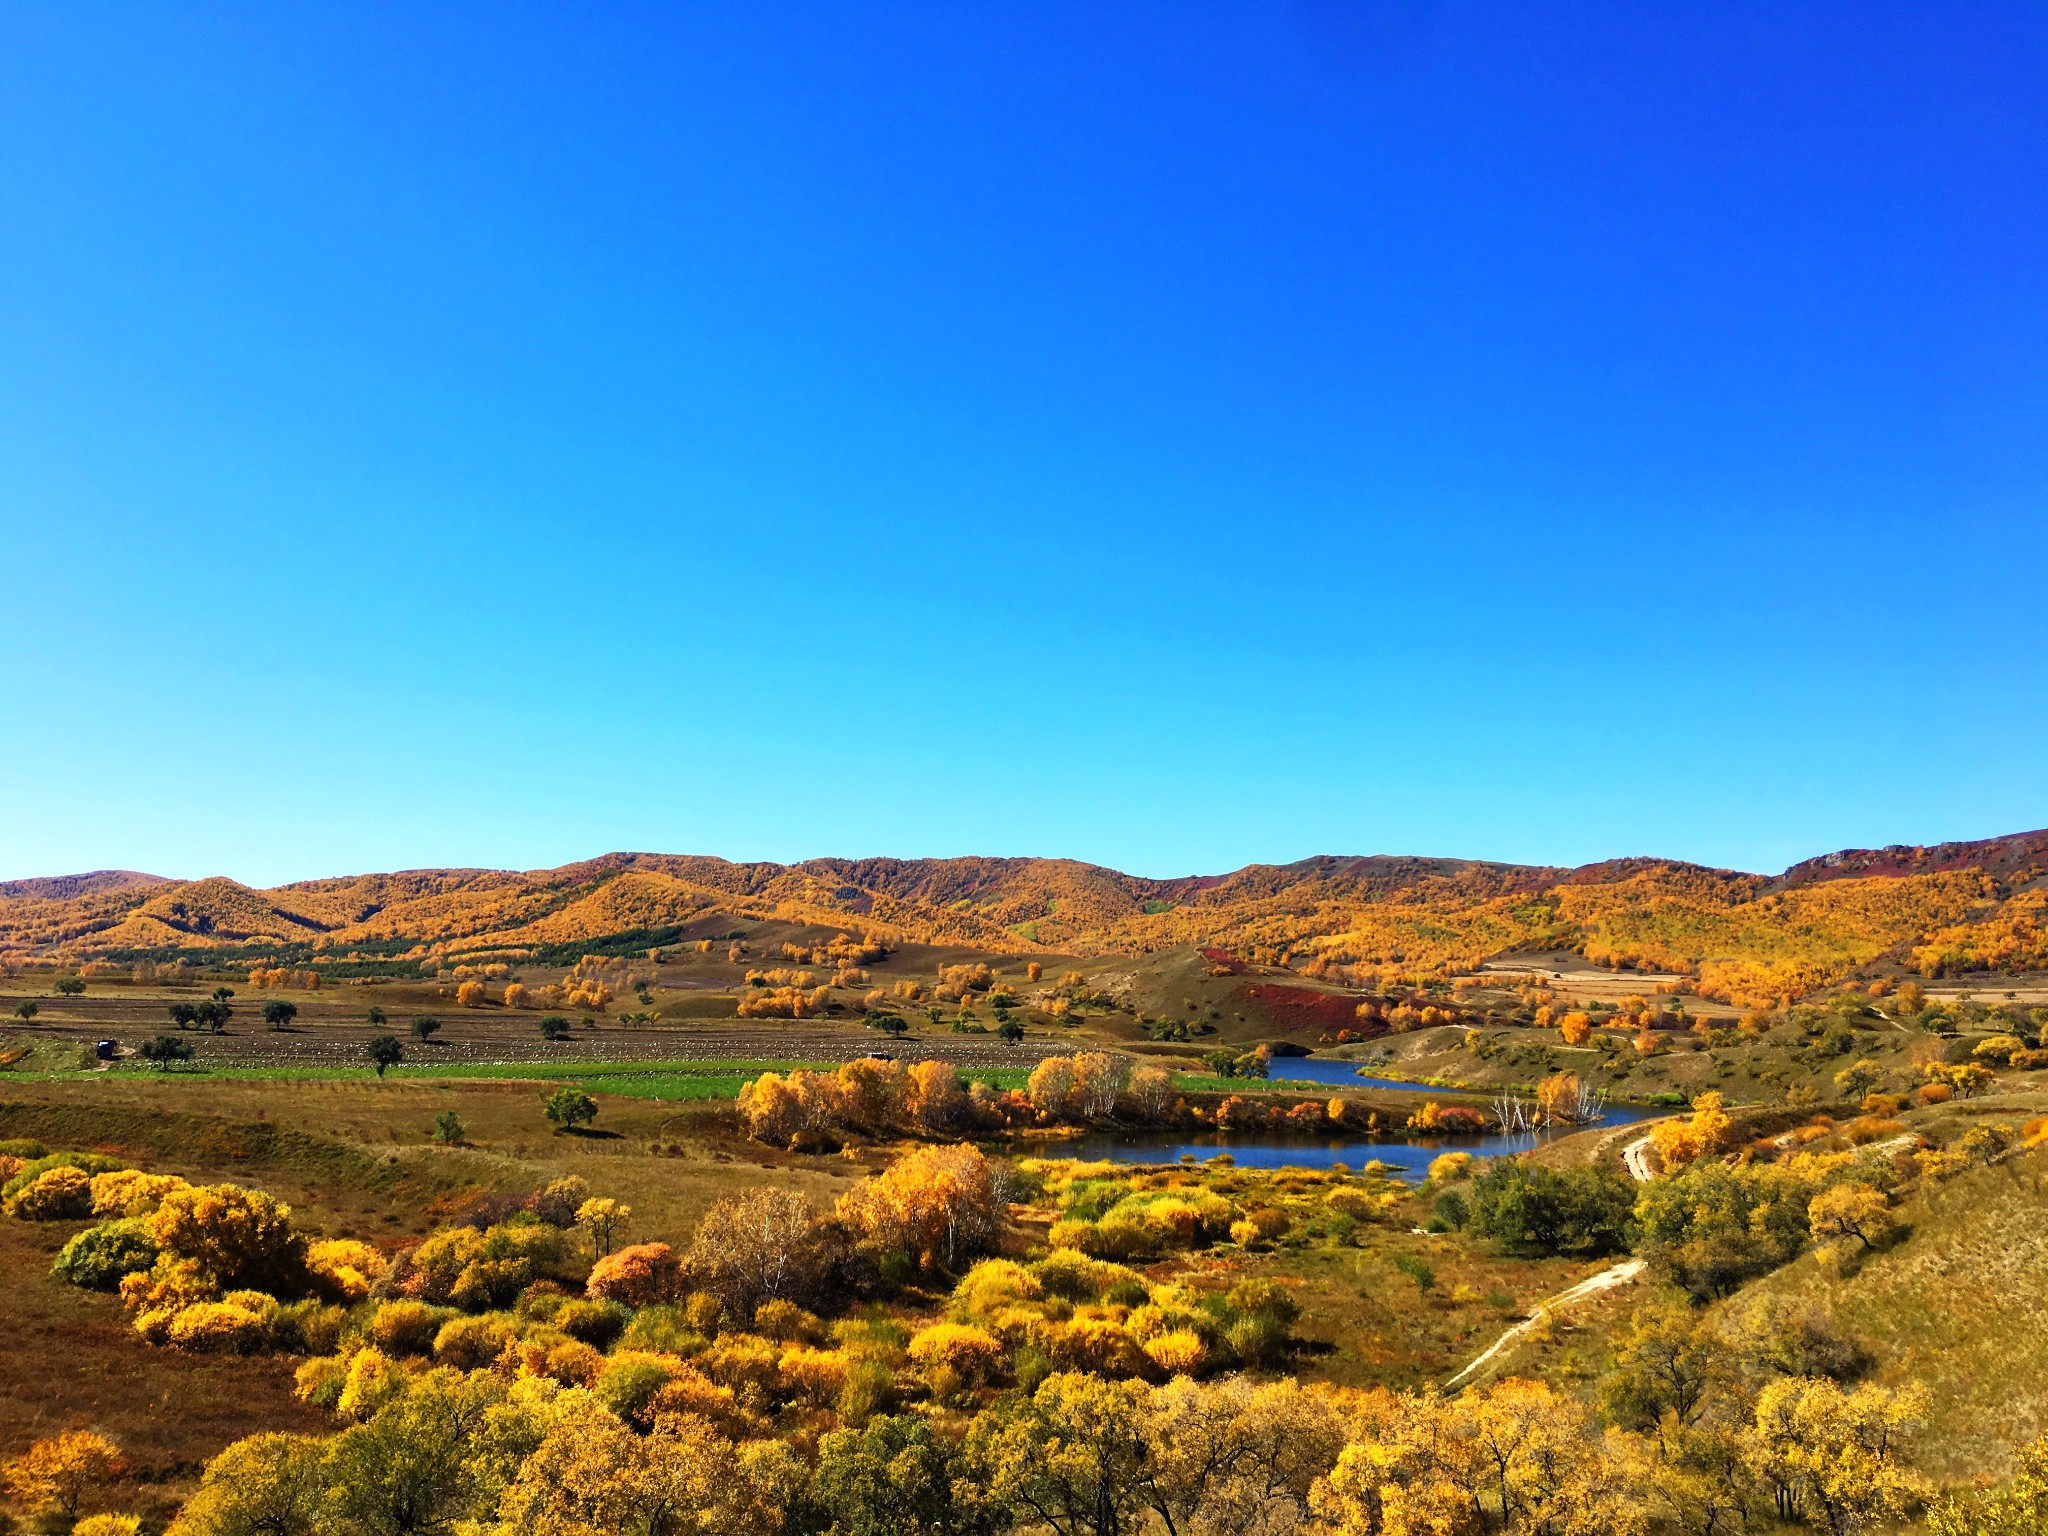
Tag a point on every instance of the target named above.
point(1173, 437)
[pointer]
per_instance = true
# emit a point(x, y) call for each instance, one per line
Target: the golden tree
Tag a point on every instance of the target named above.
point(603, 1219)
point(1850, 1212)
point(598, 1478)
point(55, 1474)
point(938, 1205)
point(1835, 1458)
point(1051, 1085)
point(267, 1485)
point(236, 1237)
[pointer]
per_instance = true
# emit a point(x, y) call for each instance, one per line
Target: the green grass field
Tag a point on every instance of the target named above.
point(659, 1080)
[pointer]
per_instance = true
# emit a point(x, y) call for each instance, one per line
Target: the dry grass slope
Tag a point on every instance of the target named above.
point(1961, 1305)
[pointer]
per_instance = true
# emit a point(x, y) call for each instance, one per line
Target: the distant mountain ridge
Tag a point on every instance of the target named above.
point(65, 887)
point(1948, 907)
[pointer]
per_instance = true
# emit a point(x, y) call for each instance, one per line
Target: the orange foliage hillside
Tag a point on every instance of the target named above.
point(1743, 936)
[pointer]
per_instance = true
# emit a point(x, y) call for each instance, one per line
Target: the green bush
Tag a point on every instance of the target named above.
point(309, 1327)
point(870, 1389)
point(1416, 1269)
point(1259, 1339)
point(627, 1386)
point(23, 1146)
point(408, 1327)
point(593, 1322)
point(662, 1330)
point(539, 1302)
point(98, 1258)
point(1450, 1212)
point(1531, 1209)
point(1068, 1273)
point(1712, 1227)
point(1250, 1298)
point(1126, 1291)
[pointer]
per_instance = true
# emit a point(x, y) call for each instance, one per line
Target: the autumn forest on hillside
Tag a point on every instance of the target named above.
point(659, 1195)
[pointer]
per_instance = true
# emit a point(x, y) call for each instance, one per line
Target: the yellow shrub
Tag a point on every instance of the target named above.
point(814, 1375)
point(131, 1192)
point(994, 1284)
point(1094, 1344)
point(1180, 1353)
point(319, 1380)
point(969, 1352)
point(373, 1380)
point(59, 1194)
point(349, 1266)
point(218, 1328)
point(1449, 1167)
point(471, 1343)
point(156, 1296)
point(406, 1327)
point(739, 1359)
point(690, 1391)
point(554, 1355)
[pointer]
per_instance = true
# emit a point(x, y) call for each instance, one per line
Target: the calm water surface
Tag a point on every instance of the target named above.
point(1256, 1151)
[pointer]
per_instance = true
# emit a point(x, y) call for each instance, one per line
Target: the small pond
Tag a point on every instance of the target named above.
point(1411, 1157)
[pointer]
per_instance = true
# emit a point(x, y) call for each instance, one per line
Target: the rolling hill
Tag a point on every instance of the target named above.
point(1946, 909)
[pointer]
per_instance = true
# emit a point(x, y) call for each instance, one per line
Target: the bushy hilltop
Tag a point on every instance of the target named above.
point(1936, 910)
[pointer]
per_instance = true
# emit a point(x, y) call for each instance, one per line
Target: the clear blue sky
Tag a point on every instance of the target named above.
point(1170, 436)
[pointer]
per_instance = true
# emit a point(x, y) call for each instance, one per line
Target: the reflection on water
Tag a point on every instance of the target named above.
point(1252, 1151)
point(1256, 1151)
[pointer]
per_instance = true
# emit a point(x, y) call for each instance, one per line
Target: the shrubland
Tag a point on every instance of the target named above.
point(961, 1341)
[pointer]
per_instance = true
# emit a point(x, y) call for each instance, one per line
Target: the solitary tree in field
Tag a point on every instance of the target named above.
point(223, 994)
point(448, 1128)
point(375, 1015)
point(277, 1013)
point(214, 1015)
point(570, 1107)
point(184, 1015)
point(164, 1050)
point(554, 1027)
point(67, 986)
point(27, 1009)
point(1010, 1030)
point(384, 1051)
point(424, 1027)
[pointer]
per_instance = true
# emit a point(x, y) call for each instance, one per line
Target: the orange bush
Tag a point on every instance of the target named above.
point(640, 1275)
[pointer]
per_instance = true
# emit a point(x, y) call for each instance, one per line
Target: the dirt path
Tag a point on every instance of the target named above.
point(1636, 1158)
point(1606, 1280)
